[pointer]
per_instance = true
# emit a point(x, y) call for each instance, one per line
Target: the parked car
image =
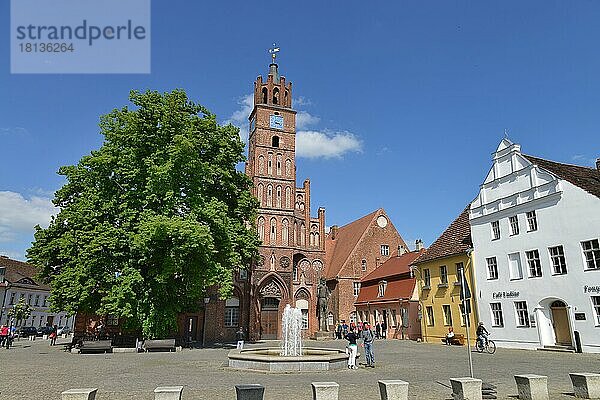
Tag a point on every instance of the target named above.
point(26, 331)
point(64, 330)
point(44, 330)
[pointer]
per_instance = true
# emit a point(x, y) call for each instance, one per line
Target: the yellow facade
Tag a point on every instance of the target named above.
point(443, 299)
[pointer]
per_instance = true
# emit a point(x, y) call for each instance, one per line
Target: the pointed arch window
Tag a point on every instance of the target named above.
point(288, 197)
point(295, 233)
point(261, 228)
point(278, 166)
point(260, 194)
point(270, 164)
point(269, 196)
point(285, 232)
point(302, 235)
point(288, 167)
point(276, 96)
point(261, 164)
point(265, 95)
point(273, 231)
point(278, 202)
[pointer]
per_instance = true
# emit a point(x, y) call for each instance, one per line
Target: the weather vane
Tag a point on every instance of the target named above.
point(274, 52)
point(506, 133)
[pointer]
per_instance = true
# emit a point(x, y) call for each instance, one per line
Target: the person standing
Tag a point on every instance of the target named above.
point(377, 330)
point(3, 335)
point(384, 329)
point(368, 337)
point(351, 338)
point(53, 335)
point(240, 338)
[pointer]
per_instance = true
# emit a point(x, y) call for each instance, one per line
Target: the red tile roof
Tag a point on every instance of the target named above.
point(456, 239)
point(18, 270)
point(395, 290)
point(394, 266)
point(586, 178)
point(338, 250)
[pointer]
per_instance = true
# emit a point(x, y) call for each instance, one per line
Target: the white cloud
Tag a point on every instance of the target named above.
point(582, 159)
point(312, 143)
point(304, 119)
point(239, 117)
point(13, 131)
point(315, 144)
point(18, 215)
point(15, 255)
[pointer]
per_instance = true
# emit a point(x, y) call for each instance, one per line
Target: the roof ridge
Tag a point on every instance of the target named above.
point(557, 162)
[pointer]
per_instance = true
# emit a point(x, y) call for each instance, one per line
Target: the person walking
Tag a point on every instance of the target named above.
point(377, 330)
point(3, 335)
point(53, 335)
point(368, 337)
point(351, 338)
point(240, 338)
point(384, 329)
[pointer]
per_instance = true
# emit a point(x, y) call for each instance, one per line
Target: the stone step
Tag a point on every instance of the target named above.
point(559, 349)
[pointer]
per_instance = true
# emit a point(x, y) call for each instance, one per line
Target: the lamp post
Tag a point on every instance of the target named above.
point(206, 301)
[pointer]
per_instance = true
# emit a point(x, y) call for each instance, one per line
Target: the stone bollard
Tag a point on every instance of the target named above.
point(168, 393)
point(325, 390)
point(466, 388)
point(532, 387)
point(250, 392)
point(79, 394)
point(586, 385)
point(393, 390)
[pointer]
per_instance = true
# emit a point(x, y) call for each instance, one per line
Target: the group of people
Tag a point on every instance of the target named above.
point(342, 329)
point(367, 336)
point(6, 335)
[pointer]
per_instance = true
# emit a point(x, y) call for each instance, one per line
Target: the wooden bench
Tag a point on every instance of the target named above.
point(93, 346)
point(157, 344)
point(458, 339)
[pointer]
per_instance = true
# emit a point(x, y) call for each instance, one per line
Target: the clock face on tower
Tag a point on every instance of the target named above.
point(276, 121)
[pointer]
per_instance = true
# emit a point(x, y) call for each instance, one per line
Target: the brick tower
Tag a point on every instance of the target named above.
point(292, 253)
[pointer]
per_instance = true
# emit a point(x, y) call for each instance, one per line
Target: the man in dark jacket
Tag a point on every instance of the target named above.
point(240, 338)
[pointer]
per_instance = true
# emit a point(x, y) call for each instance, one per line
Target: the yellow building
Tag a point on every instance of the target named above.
point(439, 284)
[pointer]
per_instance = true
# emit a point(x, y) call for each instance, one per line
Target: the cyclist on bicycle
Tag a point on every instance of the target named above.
point(482, 334)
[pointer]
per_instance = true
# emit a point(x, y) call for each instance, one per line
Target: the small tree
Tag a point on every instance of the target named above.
point(20, 311)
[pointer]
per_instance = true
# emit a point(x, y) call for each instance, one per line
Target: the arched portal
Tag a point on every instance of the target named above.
point(560, 323)
point(553, 320)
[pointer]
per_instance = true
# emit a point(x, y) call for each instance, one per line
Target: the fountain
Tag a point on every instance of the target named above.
point(291, 356)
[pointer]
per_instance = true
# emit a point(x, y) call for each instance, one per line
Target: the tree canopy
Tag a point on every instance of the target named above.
point(151, 219)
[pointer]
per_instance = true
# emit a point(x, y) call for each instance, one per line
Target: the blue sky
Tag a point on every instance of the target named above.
point(406, 100)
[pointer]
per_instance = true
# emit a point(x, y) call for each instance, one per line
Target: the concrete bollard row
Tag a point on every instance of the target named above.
point(586, 385)
point(532, 387)
point(466, 388)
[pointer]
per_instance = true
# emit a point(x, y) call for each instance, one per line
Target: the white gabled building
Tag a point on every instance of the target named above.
point(535, 227)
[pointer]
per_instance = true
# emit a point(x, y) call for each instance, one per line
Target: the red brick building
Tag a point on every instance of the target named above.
point(389, 294)
point(352, 252)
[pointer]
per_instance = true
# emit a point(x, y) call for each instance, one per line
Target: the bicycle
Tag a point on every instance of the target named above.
point(489, 347)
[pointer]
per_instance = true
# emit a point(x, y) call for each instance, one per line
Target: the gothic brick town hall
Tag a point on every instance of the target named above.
point(298, 259)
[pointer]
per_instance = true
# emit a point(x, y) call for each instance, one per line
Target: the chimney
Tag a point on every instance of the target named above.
point(418, 245)
point(401, 250)
point(598, 164)
point(333, 232)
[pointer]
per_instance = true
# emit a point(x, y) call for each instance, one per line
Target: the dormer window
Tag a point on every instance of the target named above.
point(382, 286)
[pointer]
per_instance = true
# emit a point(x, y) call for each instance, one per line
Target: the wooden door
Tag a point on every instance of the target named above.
point(560, 321)
point(269, 323)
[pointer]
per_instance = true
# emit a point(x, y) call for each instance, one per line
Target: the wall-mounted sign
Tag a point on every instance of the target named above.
point(579, 316)
point(591, 289)
point(505, 295)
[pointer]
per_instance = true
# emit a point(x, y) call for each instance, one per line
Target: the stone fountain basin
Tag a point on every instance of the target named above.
point(268, 359)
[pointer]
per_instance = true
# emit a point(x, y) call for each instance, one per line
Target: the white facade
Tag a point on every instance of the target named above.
point(531, 292)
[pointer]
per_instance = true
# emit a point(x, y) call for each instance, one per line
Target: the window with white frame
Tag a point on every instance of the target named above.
point(353, 316)
point(330, 318)
point(596, 306)
point(557, 256)
point(382, 286)
point(514, 225)
point(304, 319)
point(356, 288)
point(447, 315)
point(427, 277)
point(591, 253)
point(531, 221)
point(521, 313)
point(363, 265)
point(463, 314)
point(459, 272)
point(45, 301)
point(232, 312)
point(533, 261)
point(430, 318)
point(385, 250)
point(37, 300)
point(497, 317)
point(514, 266)
point(492, 267)
point(443, 275)
point(495, 230)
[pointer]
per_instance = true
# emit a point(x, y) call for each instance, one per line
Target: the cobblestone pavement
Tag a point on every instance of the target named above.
point(33, 370)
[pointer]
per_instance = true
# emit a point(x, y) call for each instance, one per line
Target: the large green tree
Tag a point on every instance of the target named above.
point(152, 218)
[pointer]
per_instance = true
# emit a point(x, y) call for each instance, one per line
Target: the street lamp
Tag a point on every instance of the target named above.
point(206, 301)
